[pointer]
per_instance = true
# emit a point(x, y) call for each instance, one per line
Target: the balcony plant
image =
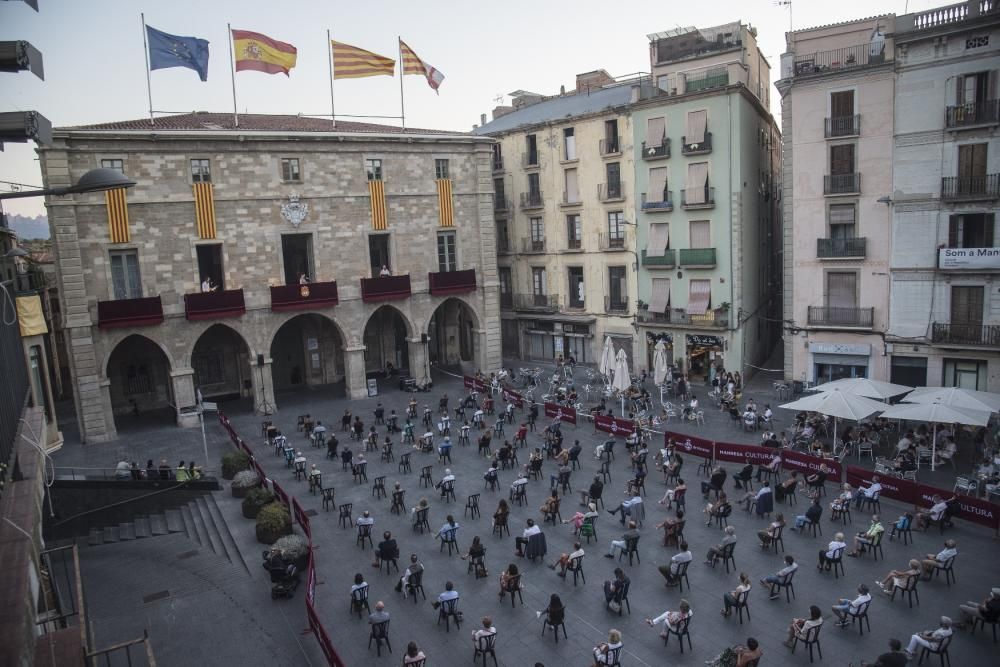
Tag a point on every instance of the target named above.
point(243, 481)
point(294, 549)
point(233, 462)
point(273, 522)
point(254, 500)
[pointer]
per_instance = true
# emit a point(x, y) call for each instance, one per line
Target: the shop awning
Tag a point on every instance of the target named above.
point(660, 297)
point(699, 296)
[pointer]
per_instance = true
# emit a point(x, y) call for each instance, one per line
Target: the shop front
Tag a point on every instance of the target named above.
point(704, 353)
point(547, 340)
point(654, 337)
point(837, 361)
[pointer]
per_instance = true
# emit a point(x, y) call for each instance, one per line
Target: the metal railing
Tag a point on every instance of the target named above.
point(972, 113)
point(696, 256)
point(503, 246)
point(65, 591)
point(665, 204)
point(712, 319)
point(141, 646)
point(986, 186)
point(838, 59)
point(574, 244)
point(537, 301)
point(841, 316)
point(575, 303)
point(965, 334)
point(841, 184)
point(711, 79)
point(532, 245)
point(615, 305)
point(839, 248)
point(501, 204)
point(656, 151)
point(531, 200)
point(842, 126)
point(611, 191)
point(610, 145)
point(497, 163)
point(697, 147)
point(666, 261)
point(611, 242)
point(708, 198)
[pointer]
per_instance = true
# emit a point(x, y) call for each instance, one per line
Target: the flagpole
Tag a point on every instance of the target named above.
point(402, 106)
point(149, 88)
point(232, 73)
point(329, 47)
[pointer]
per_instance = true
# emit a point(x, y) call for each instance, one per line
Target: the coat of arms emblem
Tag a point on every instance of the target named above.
point(294, 211)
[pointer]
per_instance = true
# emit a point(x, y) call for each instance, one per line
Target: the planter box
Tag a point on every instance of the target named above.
point(270, 537)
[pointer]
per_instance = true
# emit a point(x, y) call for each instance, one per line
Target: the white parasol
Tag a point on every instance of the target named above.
point(622, 380)
point(956, 397)
point(839, 405)
point(865, 387)
point(607, 358)
point(659, 363)
point(937, 413)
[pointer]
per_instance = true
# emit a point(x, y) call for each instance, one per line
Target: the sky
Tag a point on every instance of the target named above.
point(95, 69)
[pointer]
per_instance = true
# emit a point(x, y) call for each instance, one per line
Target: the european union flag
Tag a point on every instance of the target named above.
point(167, 50)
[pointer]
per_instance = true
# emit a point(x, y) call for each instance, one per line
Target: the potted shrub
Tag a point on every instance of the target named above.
point(273, 521)
point(233, 462)
point(243, 482)
point(254, 500)
point(294, 549)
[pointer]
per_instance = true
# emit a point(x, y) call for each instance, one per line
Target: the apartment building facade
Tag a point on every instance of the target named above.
point(707, 157)
point(278, 255)
point(564, 206)
point(837, 87)
point(945, 262)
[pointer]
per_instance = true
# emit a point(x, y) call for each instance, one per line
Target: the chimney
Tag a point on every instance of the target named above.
point(595, 79)
point(562, 90)
point(501, 111)
point(482, 119)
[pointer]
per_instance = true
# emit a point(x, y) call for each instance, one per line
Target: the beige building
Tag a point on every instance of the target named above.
point(564, 207)
point(280, 255)
point(837, 85)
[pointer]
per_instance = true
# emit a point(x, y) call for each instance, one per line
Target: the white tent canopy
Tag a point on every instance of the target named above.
point(937, 413)
point(865, 387)
point(838, 404)
point(956, 397)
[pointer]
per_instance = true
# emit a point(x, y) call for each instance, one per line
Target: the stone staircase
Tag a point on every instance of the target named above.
point(200, 521)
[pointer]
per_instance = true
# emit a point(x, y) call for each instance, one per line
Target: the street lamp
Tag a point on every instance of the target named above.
point(95, 180)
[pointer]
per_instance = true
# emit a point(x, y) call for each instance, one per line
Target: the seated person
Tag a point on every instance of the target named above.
point(672, 527)
point(812, 515)
point(843, 500)
point(939, 559)
point(578, 518)
point(773, 580)
point(799, 628)
point(935, 513)
point(870, 491)
point(988, 610)
point(901, 525)
point(767, 535)
point(864, 540)
point(719, 507)
point(626, 507)
point(551, 503)
point(564, 560)
point(898, 578)
point(670, 572)
point(387, 549)
point(788, 486)
point(715, 482)
point(744, 475)
point(738, 656)
point(827, 556)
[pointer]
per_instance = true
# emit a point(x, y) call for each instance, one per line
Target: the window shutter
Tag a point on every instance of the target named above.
point(572, 186)
point(656, 130)
point(953, 225)
point(697, 121)
point(657, 184)
point(701, 234)
point(697, 183)
point(659, 239)
point(659, 298)
point(841, 290)
point(988, 231)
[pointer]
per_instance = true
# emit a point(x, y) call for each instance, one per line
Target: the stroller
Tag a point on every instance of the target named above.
point(284, 576)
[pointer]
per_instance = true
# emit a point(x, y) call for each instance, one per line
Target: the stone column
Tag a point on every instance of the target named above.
point(184, 396)
point(110, 429)
point(354, 372)
point(418, 359)
point(263, 388)
point(482, 356)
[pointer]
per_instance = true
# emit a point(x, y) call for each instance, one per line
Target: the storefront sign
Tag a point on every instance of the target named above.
point(841, 348)
point(740, 453)
point(614, 425)
point(560, 412)
point(806, 465)
point(699, 340)
point(969, 258)
point(372, 387)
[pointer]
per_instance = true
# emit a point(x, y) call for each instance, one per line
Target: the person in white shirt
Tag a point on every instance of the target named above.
point(603, 652)
point(932, 560)
point(625, 507)
point(384, 272)
point(366, 519)
point(845, 606)
point(800, 626)
point(843, 500)
point(935, 513)
point(671, 619)
point(206, 285)
point(930, 638)
point(522, 479)
point(669, 572)
point(448, 477)
point(774, 465)
point(825, 557)
point(532, 529)
point(730, 599)
point(869, 491)
point(779, 577)
point(564, 560)
point(485, 631)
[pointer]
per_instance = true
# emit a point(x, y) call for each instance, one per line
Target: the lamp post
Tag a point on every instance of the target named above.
point(95, 180)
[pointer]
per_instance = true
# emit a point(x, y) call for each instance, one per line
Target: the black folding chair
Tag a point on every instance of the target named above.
point(379, 634)
point(681, 631)
point(486, 645)
point(810, 639)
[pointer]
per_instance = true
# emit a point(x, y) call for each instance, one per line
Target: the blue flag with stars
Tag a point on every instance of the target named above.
point(167, 50)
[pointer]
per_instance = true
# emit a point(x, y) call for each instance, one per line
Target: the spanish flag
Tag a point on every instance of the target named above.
point(414, 65)
point(350, 62)
point(254, 51)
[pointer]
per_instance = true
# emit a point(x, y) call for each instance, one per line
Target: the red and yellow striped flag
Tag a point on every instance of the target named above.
point(350, 62)
point(258, 52)
point(414, 65)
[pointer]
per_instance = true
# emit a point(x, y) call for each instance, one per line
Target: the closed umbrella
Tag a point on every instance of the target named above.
point(937, 413)
point(622, 380)
point(659, 363)
point(839, 405)
point(956, 397)
point(876, 389)
point(607, 358)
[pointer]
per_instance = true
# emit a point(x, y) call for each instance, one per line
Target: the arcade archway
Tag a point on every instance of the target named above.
point(452, 333)
point(385, 341)
point(307, 350)
point(139, 374)
point(221, 363)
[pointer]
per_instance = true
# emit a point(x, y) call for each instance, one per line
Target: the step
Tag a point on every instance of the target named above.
point(198, 523)
point(175, 524)
point(157, 524)
point(110, 534)
point(141, 524)
point(227, 537)
point(95, 537)
point(214, 537)
point(126, 530)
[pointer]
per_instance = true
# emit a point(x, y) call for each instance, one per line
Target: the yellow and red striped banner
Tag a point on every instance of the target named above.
point(117, 204)
point(446, 209)
point(412, 64)
point(376, 191)
point(204, 210)
point(350, 62)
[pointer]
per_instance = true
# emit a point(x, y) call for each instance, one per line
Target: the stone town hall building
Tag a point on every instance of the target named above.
point(250, 209)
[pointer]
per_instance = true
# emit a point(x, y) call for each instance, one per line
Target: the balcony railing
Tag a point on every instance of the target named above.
point(697, 147)
point(842, 126)
point(940, 17)
point(613, 191)
point(656, 151)
point(666, 204)
point(972, 114)
point(709, 80)
point(214, 305)
point(615, 305)
point(707, 197)
point(529, 160)
point(574, 244)
point(841, 184)
point(575, 303)
point(385, 288)
point(537, 301)
point(651, 317)
point(503, 246)
point(838, 60)
point(452, 282)
point(841, 316)
point(697, 257)
point(610, 145)
point(970, 187)
point(532, 245)
point(666, 261)
point(571, 198)
point(965, 334)
point(298, 297)
point(501, 204)
point(142, 312)
point(713, 319)
point(531, 200)
point(841, 248)
point(497, 163)
point(30, 282)
point(610, 242)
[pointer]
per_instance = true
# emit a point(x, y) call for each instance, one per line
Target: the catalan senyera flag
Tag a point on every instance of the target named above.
point(254, 51)
point(414, 65)
point(350, 62)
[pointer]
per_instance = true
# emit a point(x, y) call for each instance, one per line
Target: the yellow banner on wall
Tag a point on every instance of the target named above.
point(446, 210)
point(30, 316)
point(117, 204)
point(204, 210)
point(376, 192)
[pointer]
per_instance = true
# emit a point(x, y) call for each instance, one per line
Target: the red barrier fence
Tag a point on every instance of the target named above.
point(325, 645)
point(473, 383)
point(560, 412)
point(512, 396)
point(727, 452)
point(614, 425)
point(976, 510)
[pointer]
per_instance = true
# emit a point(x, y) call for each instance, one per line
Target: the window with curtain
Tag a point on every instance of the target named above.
point(539, 286)
point(842, 289)
point(537, 228)
point(697, 183)
point(659, 239)
point(701, 234)
point(572, 186)
point(617, 287)
point(657, 185)
point(125, 274)
point(842, 221)
point(616, 225)
point(569, 144)
point(971, 230)
point(574, 231)
point(656, 131)
point(697, 122)
point(659, 295)
point(699, 297)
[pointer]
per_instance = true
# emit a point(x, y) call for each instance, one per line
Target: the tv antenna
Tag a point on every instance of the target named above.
point(786, 3)
point(499, 100)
